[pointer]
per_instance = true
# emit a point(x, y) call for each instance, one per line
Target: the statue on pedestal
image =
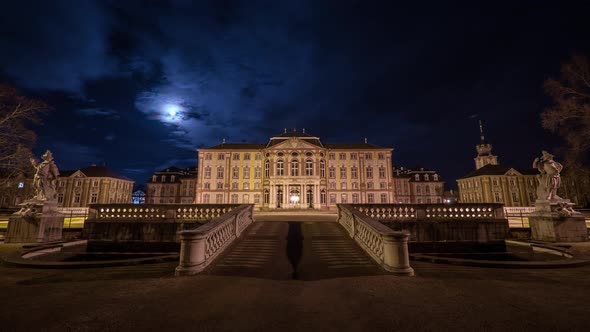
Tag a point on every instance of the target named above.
point(46, 174)
point(549, 181)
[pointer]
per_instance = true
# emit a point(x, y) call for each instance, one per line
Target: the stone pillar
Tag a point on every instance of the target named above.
point(395, 253)
point(192, 253)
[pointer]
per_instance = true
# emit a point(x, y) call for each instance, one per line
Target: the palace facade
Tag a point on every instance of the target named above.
point(418, 186)
point(295, 170)
point(494, 183)
point(172, 185)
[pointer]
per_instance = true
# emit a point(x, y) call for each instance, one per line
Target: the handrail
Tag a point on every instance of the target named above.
point(199, 247)
point(387, 247)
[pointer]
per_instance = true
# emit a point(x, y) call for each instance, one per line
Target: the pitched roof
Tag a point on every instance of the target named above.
point(359, 146)
point(237, 146)
point(95, 171)
point(491, 169)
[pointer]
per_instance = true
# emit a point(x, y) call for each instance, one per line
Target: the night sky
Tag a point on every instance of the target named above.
point(139, 86)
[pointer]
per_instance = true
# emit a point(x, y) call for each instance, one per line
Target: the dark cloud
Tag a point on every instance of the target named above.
point(185, 74)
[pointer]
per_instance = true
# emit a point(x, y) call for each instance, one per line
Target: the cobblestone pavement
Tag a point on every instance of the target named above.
point(440, 298)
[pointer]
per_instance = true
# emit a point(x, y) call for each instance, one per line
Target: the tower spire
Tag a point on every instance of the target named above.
point(481, 136)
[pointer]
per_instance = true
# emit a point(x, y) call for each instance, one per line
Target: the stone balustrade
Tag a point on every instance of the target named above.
point(75, 211)
point(518, 210)
point(431, 212)
point(199, 247)
point(158, 212)
point(387, 247)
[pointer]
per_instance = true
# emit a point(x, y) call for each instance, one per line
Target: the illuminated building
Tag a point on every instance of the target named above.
point(295, 170)
point(172, 185)
point(494, 183)
point(418, 186)
point(94, 184)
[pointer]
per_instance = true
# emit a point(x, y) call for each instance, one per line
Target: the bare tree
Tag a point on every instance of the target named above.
point(569, 116)
point(17, 114)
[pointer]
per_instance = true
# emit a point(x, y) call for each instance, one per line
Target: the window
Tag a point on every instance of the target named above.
point(332, 156)
point(257, 173)
point(220, 172)
point(435, 177)
point(342, 156)
point(427, 190)
point(383, 198)
point(531, 196)
point(308, 167)
point(332, 185)
point(63, 183)
point(172, 178)
point(418, 189)
point(94, 198)
point(206, 198)
point(234, 198)
point(382, 172)
point(256, 198)
point(258, 156)
point(369, 185)
point(267, 168)
point(355, 198)
point(257, 185)
point(207, 185)
point(246, 156)
point(219, 198)
point(332, 172)
point(381, 156)
point(514, 196)
point(246, 186)
point(344, 198)
point(382, 185)
point(207, 172)
point(497, 197)
point(280, 168)
point(77, 198)
point(426, 177)
point(369, 156)
point(294, 167)
point(369, 172)
point(419, 201)
point(417, 177)
point(266, 196)
point(219, 185)
point(95, 183)
point(495, 182)
point(323, 196)
point(246, 172)
point(332, 198)
point(220, 156)
point(234, 185)
point(235, 173)
point(208, 156)
point(371, 198)
point(342, 172)
point(354, 172)
point(236, 156)
point(322, 168)
point(343, 185)
point(353, 156)
point(355, 185)
point(79, 183)
point(60, 198)
point(246, 198)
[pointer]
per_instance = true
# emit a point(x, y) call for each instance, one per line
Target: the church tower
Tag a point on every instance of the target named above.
point(484, 151)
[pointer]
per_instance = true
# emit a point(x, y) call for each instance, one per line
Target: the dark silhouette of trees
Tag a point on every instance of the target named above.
point(17, 114)
point(569, 117)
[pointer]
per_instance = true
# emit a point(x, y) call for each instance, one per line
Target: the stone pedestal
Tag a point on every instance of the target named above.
point(37, 221)
point(556, 221)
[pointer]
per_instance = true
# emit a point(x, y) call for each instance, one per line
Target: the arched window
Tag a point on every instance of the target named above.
point(294, 167)
point(280, 167)
point(266, 168)
point(322, 168)
point(266, 196)
point(309, 167)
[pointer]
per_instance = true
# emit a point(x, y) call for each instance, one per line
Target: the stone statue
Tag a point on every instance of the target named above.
point(549, 178)
point(45, 180)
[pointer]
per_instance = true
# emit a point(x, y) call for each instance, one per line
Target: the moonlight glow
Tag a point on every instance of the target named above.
point(172, 113)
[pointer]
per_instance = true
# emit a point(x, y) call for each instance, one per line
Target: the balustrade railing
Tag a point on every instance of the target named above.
point(199, 247)
point(387, 247)
point(158, 212)
point(430, 212)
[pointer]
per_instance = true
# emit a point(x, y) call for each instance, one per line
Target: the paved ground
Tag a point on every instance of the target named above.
point(439, 298)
